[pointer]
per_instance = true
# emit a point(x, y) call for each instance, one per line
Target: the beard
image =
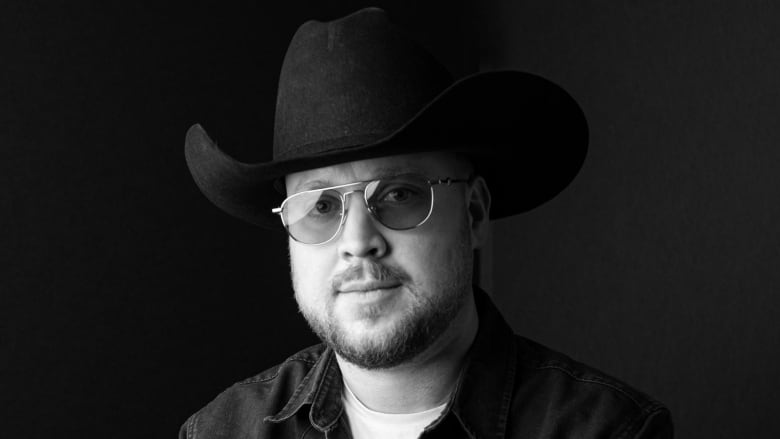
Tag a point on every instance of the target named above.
point(424, 320)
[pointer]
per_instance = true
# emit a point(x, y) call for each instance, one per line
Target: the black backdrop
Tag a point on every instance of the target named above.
point(127, 301)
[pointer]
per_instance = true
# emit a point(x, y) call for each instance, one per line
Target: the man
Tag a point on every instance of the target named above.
point(385, 175)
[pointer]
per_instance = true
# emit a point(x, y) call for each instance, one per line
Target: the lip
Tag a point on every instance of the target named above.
point(365, 287)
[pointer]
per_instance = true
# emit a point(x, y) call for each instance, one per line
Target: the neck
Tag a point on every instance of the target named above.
point(423, 383)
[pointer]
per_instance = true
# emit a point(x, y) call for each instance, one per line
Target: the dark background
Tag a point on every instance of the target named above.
point(127, 301)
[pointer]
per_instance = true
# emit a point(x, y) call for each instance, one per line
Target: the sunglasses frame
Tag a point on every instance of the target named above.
point(448, 181)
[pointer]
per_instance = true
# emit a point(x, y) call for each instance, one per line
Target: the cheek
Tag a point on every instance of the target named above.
point(438, 248)
point(310, 271)
point(429, 258)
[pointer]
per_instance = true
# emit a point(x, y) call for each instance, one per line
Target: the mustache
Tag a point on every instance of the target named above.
point(368, 271)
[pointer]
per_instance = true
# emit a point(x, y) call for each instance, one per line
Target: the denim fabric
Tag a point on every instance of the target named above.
point(511, 387)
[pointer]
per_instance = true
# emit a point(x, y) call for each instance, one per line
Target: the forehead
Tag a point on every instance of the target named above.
point(430, 164)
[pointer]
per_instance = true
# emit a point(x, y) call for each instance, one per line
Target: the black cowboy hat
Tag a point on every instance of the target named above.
point(357, 88)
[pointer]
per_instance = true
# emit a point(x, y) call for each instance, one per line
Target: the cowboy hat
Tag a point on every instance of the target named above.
point(357, 88)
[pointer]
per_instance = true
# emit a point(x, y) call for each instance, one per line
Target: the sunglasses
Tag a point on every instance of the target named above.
point(400, 202)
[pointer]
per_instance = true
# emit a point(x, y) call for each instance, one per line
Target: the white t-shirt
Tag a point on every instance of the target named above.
point(368, 424)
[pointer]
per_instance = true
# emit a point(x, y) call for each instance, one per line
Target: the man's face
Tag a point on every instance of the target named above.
point(379, 296)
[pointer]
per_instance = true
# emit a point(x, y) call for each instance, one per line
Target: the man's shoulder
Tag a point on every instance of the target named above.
point(539, 362)
point(254, 398)
point(573, 392)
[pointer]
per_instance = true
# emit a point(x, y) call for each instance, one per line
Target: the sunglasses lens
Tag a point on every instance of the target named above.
point(400, 203)
point(313, 217)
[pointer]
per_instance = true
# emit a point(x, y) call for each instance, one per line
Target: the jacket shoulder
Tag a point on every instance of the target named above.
point(582, 401)
point(242, 406)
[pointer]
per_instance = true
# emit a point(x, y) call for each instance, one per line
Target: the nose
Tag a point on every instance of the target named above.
point(361, 236)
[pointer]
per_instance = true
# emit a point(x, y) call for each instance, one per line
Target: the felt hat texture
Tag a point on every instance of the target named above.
point(358, 87)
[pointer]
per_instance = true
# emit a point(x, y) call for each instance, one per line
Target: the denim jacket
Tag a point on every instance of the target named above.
point(511, 387)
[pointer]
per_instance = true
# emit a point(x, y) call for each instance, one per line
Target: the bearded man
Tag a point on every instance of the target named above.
point(385, 176)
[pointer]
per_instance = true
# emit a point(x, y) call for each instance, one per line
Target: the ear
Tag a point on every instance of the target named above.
point(479, 211)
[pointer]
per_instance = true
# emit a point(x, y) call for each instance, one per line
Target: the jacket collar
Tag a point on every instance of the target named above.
point(480, 401)
point(484, 392)
point(320, 388)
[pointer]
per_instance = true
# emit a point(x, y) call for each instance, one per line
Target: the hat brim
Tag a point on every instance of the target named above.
point(526, 136)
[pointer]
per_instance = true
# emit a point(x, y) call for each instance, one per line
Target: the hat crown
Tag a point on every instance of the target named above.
point(350, 82)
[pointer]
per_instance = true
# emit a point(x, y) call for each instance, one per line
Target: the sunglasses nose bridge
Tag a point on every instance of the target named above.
point(345, 204)
point(369, 207)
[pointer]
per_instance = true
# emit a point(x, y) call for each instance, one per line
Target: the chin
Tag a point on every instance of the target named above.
point(368, 331)
point(377, 344)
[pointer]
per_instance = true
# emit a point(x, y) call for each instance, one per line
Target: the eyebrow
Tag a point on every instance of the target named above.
point(380, 173)
point(313, 184)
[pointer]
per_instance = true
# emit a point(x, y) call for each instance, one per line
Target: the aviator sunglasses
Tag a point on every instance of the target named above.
point(399, 202)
